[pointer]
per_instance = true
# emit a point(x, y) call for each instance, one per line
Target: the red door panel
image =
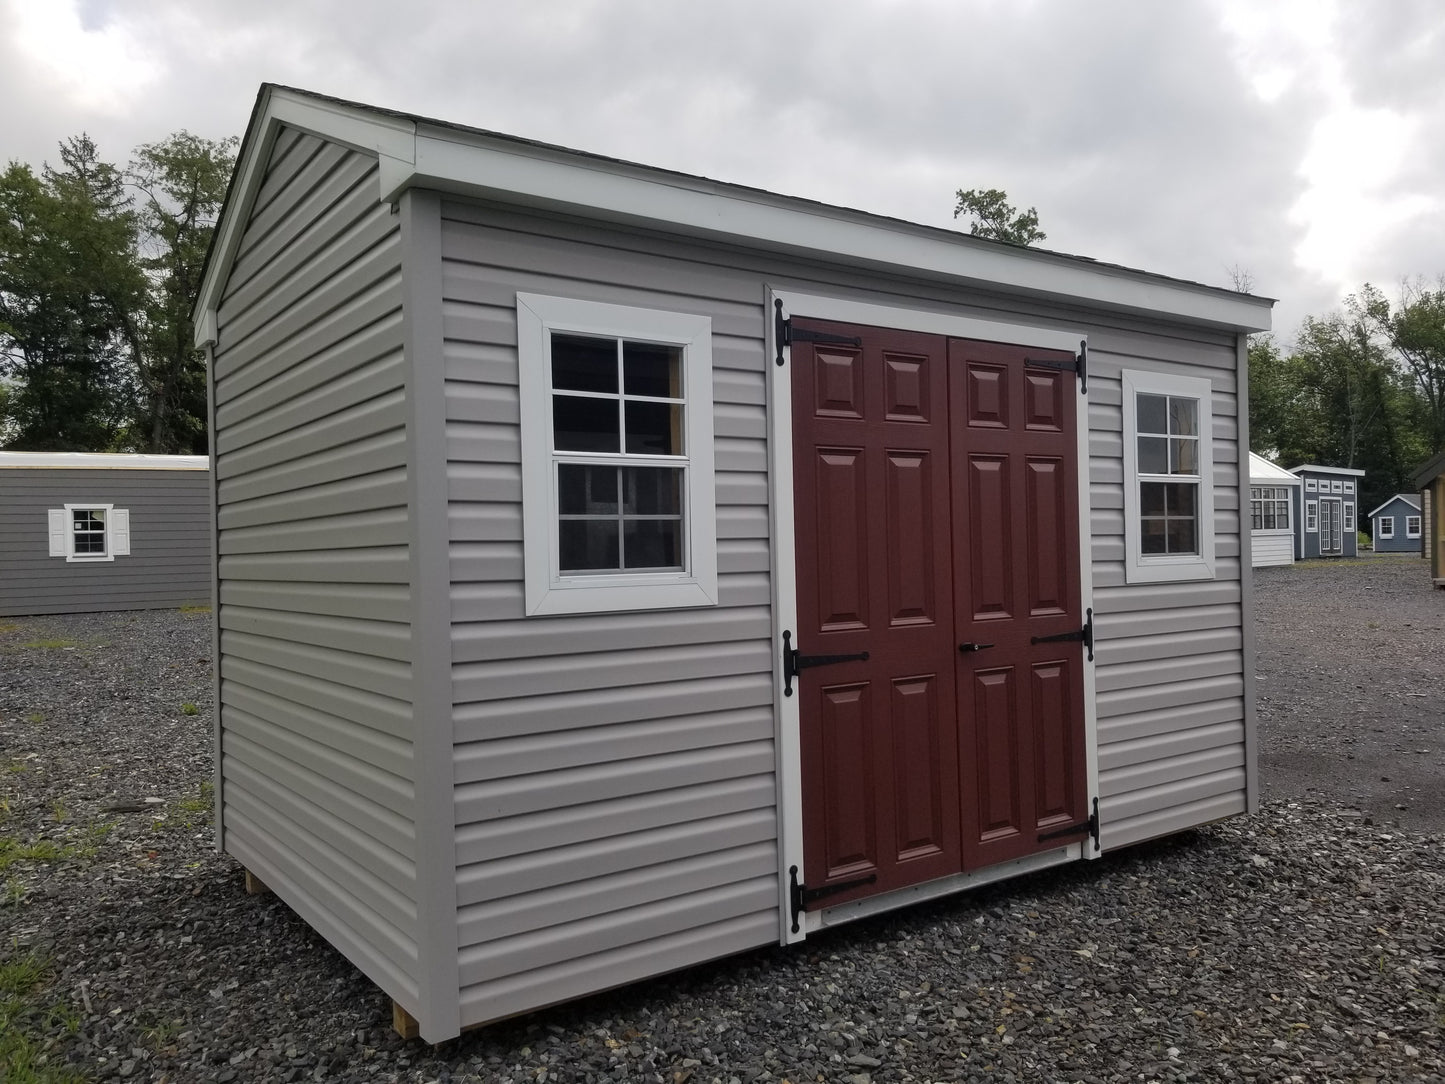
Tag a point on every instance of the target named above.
point(1016, 531)
point(875, 574)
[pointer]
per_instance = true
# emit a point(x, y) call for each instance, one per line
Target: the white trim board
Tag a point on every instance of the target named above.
point(414, 152)
point(102, 461)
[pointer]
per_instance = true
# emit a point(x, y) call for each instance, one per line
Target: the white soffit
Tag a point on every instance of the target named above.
point(415, 153)
point(102, 461)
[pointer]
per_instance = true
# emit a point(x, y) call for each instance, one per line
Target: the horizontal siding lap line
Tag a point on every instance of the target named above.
point(372, 602)
point(378, 527)
point(359, 493)
point(387, 752)
point(1169, 695)
point(614, 929)
point(381, 713)
point(1159, 747)
point(358, 455)
point(1151, 825)
point(374, 565)
point(535, 870)
point(1180, 767)
point(613, 779)
point(1155, 799)
point(383, 677)
point(550, 829)
point(316, 435)
point(615, 892)
point(384, 639)
point(474, 642)
point(507, 757)
point(373, 836)
point(1113, 678)
point(1125, 729)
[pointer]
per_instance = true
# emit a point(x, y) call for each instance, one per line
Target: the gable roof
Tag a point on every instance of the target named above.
point(1432, 469)
point(1263, 472)
point(1412, 501)
point(419, 152)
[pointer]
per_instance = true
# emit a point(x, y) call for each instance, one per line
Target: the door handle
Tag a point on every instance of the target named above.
point(965, 648)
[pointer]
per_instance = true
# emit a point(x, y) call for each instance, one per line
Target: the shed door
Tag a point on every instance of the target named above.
point(936, 506)
point(1331, 536)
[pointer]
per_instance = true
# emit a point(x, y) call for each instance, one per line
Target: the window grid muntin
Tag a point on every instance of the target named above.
point(1269, 508)
point(1349, 509)
point(1179, 435)
point(1312, 516)
point(1387, 526)
point(87, 532)
point(623, 458)
point(1412, 526)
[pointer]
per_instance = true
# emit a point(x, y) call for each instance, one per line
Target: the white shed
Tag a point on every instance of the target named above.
point(1273, 494)
point(619, 569)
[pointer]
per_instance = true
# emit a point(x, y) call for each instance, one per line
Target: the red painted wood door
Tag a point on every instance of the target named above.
point(1016, 546)
point(870, 470)
point(936, 504)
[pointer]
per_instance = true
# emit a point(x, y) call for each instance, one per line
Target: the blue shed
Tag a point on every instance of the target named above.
point(1326, 509)
point(1395, 525)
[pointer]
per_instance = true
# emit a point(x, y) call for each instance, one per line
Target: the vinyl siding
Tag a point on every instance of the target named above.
point(170, 552)
point(1169, 656)
point(627, 758)
point(1400, 542)
point(1271, 548)
point(615, 798)
point(316, 757)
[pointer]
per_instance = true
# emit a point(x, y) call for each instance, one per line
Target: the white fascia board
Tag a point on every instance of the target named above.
point(1326, 470)
point(102, 461)
point(600, 189)
point(392, 139)
point(1397, 497)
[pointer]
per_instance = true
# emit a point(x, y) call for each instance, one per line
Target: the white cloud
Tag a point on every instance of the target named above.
point(95, 69)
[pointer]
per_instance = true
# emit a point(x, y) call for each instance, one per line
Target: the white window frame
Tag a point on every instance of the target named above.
point(1386, 526)
point(1311, 485)
point(1348, 527)
point(1156, 568)
point(62, 534)
point(1349, 486)
point(1312, 517)
point(548, 591)
point(1412, 526)
point(1337, 486)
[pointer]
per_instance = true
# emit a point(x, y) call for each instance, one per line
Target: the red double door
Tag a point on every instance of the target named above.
point(937, 526)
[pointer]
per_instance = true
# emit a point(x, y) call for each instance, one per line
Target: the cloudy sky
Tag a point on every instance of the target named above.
point(1299, 141)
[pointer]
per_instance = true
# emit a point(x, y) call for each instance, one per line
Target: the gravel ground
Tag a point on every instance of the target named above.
point(1299, 944)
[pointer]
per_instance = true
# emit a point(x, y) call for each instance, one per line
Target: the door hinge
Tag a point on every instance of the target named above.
point(802, 896)
point(785, 334)
point(1091, 826)
point(1079, 364)
point(1085, 634)
point(794, 661)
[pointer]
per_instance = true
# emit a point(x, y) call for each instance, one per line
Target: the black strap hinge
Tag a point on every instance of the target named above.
point(802, 896)
point(786, 334)
point(1085, 634)
point(794, 661)
point(1091, 826)
point(1079, 364)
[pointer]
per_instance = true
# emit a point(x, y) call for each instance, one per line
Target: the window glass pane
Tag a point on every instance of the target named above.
point(1185, 455)
point(649, 369)
point(1183, 417)
point(587, 544)
point(1151, 413)
point(581, 363)
point(1151, 498)
point(652, 491)
point(1152, 536)
point(1179, 498)
point(654, 428)
point(1153, 455)
point(652, 543)
point(586, 491)
point(584, 425)
point(1181, 536)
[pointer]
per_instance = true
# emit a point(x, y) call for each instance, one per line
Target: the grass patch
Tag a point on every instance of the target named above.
point(51, 645)
point(37, 850)
point(35, 717)
point(196, 811)
point(32, 1023)
point(190, 709)
point(195, 609)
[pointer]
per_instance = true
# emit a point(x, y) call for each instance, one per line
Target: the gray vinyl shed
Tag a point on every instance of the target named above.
point(82, 532)
point(620, 569)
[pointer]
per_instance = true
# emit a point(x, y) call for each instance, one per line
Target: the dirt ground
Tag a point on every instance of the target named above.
point(1350, 687)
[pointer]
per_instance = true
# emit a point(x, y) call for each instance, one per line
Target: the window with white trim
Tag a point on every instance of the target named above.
point(1387, 526)
point(89, 532)
point(1269, 508)
point(1168, 486)
point(1311, 485)
point(1312, 517)
point(1349, 507)
point(1349, 486)
point(1412, 526)
point(1336, 486)
point(617, 457)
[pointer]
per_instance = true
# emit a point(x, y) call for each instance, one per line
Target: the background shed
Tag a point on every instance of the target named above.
point(500, 762)
point(1396, 525)
point(1273, 495)
point(1326, 507)
point(84, 532)
point(1430, 479)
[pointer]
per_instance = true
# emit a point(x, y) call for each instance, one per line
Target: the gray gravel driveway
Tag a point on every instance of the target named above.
point(1302, 943)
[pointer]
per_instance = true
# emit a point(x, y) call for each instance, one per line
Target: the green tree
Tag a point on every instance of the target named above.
point(181, 184)
point(1416, 333)
point(68, 280)
point(994, 218)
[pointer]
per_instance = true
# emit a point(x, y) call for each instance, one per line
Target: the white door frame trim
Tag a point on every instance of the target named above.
point(788, 744)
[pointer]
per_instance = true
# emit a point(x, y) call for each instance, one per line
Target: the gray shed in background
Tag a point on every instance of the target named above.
point(619, 569)
point(82, 532)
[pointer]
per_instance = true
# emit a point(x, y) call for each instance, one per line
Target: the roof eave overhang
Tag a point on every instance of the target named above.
point(415, 154)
